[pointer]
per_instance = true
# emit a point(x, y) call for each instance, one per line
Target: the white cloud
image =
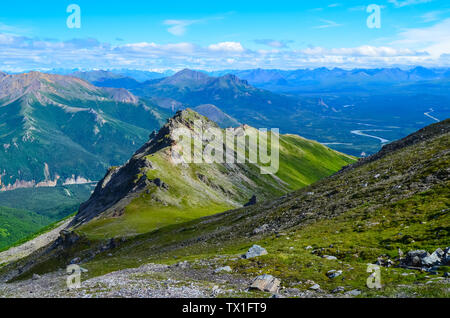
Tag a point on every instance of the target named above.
point(145, 47)
point(433, 16)
point(428, 46)
point(235, 47)
point(434, 39)
point(327, 24)
point(273, 43)
point(362, 51)
point(179, 27)
point(404, 3)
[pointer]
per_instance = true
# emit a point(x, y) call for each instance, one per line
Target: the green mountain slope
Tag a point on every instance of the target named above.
point(38, 207)
point(397, 199)
point(151, 191)
point(16, 224)
point(59, 129)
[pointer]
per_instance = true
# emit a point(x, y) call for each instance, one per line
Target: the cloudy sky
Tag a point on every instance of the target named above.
point(213, 35)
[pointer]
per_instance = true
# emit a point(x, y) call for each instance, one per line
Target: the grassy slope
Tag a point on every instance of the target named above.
point(53, 203)
point(48, 205)
point(16, 224)
point(302, 162)
point(378, 219)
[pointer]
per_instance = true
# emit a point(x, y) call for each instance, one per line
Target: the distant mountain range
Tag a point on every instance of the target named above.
point(301, 80)
point(352, 111)
point(140, 76)
point(324, 79)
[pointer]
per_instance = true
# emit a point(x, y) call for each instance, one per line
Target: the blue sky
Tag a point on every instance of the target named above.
point(230, 34)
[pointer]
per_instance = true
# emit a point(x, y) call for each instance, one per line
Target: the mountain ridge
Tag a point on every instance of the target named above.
point(149, 176)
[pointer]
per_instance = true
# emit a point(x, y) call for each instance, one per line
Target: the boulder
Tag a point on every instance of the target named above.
point(315, 287)
point(414, 258)
point(223, 269)
point(338, 289)
point(263, 228)
point(334, 273)
point(329, 257)
point(266, 283)
point(446, 259)
point(434, 259)
point(255, 251)
point(251, 202)
point(354, 292)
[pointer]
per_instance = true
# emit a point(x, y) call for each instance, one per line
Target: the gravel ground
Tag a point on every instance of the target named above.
point(156, 281)
point(147, 281)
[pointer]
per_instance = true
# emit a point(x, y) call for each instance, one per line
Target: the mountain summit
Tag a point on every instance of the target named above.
point(151, 189)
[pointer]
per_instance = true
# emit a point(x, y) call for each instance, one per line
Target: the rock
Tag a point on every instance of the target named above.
point(160, 184)
point(414, 258)
point(446, 259)
point(76, 260)
point(216, 290)
point(223, 269)
point(255, 251)
point(266, 283)
point(433, 259)
point(315, 287)
point(338, 289)
point(334, 273)
point(263, 228)
point(251, 202)
point(276, 296)
point(446, 274)
point(329, 257)
point(309, 247)
point(68, 238)
point(384, 261)
point(182, 265)
point(36, 276)
point(354, 292)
